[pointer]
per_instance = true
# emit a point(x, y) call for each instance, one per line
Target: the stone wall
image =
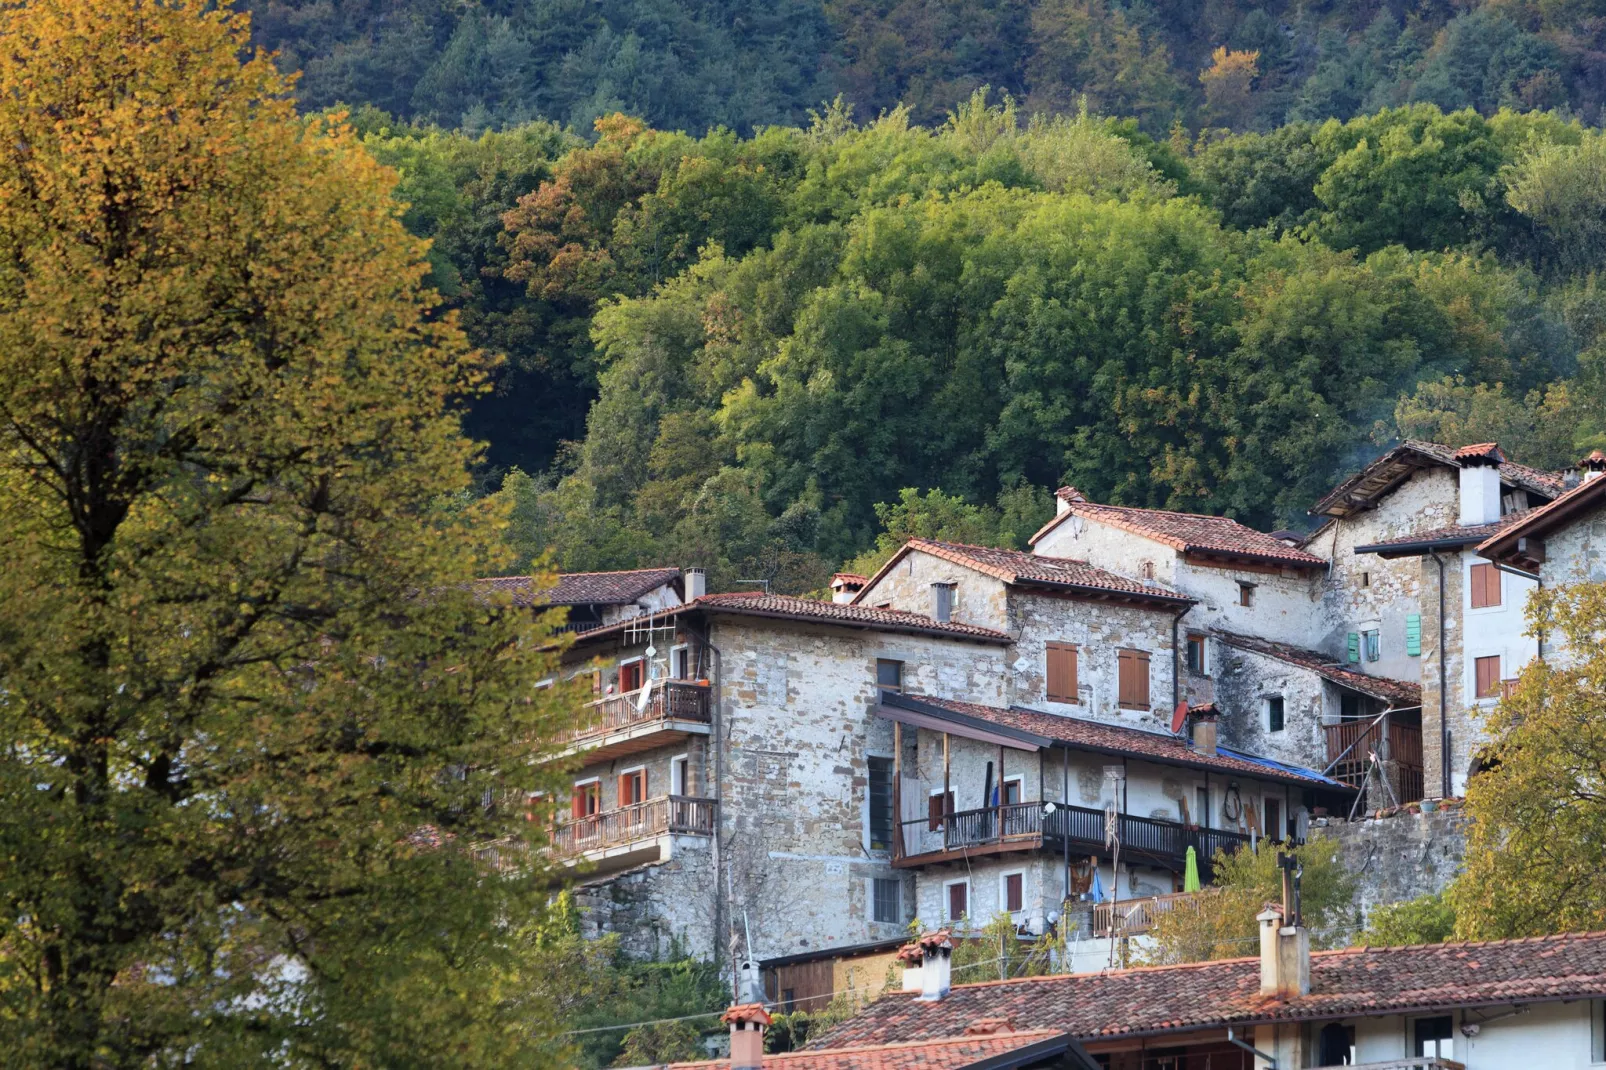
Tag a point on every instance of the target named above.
point(1434, 712)
point(1244, 680)
point(978, 598)
point(657, 910)
point(1398, 857)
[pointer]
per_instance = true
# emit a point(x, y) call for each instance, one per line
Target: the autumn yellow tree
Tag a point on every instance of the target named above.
point(1227, 85)
point(1538, 831)
point(253, 716)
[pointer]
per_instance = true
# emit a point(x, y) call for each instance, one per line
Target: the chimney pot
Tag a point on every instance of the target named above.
point(696, 581)
point(845, 586)
point(1480, 483)
point(1284, 955)
point(1593, 466)
point(936, 965)
point(1204, 728)
point(748, 1022)
point(1064, 498)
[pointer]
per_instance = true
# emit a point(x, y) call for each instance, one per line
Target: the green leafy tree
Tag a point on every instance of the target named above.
point(1562, 190)
point(1427, 919)
point(1220, 922)
point(1538, 819)
point(255, 722)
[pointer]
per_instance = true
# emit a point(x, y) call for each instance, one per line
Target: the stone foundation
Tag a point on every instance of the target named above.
point(1399, 857)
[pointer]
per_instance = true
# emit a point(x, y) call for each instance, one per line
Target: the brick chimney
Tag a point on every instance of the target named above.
point(936, 965)
point(748, 1022)
point(1480, 483)
point(1204, 728)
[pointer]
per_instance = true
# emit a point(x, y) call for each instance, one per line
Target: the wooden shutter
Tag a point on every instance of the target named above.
point(1062, 682)
point(577, 804)
point(1014, 897)
point(1413, 635)
point(933, 813)
point(1132, 679)
point(1353, 644)
point(958, 901)
point(1485, 586)
point(1487, 672)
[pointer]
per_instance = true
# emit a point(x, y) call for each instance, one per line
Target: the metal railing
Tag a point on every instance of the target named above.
point(1417, 1062)
point(628, 824)
point(678, 700)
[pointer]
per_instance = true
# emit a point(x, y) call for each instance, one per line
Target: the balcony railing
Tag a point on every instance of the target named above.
point(1351, 744)
point(680, 814)
point(671, 700)
point(1079, 828)
point(1129, 917)
point(1417, 1062)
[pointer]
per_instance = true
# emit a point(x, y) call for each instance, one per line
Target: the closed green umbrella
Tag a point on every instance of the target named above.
point(1190, 872)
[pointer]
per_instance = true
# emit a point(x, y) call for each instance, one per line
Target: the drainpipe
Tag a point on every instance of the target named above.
point(1176, 658)
point(1444, 696)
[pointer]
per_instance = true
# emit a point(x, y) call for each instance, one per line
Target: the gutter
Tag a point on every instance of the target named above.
point(1413, 549)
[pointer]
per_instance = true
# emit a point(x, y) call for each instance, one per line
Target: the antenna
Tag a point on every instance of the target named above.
point(762, 583)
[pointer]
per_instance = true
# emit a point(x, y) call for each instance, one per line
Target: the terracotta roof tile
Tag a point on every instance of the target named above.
point(1399, 694)
point(1479, 450)
point(1190, 533)
point(1018, 568)
point(583, 588)
point(1390, 469)
point(946, 1053)
point(1545, 518)
point(1119, 739)
point(1163, 999)
point(777, 605)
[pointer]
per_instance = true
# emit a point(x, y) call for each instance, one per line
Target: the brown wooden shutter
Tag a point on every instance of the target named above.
point(1132, 679)
point(1062, 682)
point(958, 901)
point(577, 804)
point(1014, 899)
point(1485, 582)
point(1487, 672)
point(933, 813)
point(624, 789)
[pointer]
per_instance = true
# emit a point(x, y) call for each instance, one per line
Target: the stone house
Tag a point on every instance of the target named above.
point(595, 599)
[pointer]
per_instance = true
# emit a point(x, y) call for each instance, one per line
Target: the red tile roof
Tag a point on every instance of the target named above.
point(1018, 568)
point(1399, 694)
point(947, 1053)
point(1450, 534)
point(1480, 451)
point(1175, 999)
point(1396, 465)
point(758, 604)
point(1189, 533)
point(1544, 519)
point(1078, 732)
point(583, 588)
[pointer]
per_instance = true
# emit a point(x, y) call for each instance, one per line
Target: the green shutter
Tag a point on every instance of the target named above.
point(1413, 635)
point(1355, 648)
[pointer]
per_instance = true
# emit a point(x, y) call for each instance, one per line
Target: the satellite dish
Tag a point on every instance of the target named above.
point(651, 650)
point(1179, 717)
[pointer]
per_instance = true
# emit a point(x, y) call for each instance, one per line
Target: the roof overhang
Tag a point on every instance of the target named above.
point(1105, 594)
point(917, 714)
point(1520, 544)
point(1075, 1057)
point(1418, 548)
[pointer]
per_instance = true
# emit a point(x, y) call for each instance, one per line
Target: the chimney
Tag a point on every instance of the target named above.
point(1480, 483)
point(910, 955)
point(845, 586)
point(748, 1022)
point(696, 583)
point(936, 951)
point(1064, 498)
point(1284, 955)
point(1204, 728)
point(1593, 466)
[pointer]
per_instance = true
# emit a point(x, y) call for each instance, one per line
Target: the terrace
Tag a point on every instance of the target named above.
point(656, 715)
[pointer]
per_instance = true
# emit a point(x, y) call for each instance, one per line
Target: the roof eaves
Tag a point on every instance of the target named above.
point(944, 713)
point(1415, 549)
point(1545, 518)
point(979, 634)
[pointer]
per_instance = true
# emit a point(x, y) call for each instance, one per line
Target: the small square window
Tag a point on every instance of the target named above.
point(888, 675)
point(1274, 713)
point(887, 900)
point(1246, 593)
point(1196, 655)
point(1366, 579)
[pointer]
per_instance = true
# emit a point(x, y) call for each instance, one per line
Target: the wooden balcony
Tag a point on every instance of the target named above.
point(1351, 744)
point(663, 712)
point(614, 839)
point(1130, 917)
point(1025, 827)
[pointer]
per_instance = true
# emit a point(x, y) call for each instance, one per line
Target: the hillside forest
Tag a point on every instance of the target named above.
point(1024, 251)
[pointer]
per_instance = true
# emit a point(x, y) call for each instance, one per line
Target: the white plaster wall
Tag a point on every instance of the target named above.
point(1555, 1036)
point(978, 598)
point(1109, 547)
point(1493, 630)
point(1285, 605)
point(1575, 554)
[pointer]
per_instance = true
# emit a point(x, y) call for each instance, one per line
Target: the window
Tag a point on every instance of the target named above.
point(1432, 1036)
point(1062, 683)
point(937, 807)
point(1196, 655)
point(886, 900)
point(1597, 1031)
point(1012, 892)
point(630, 675)
point(1372, 644)
point(880, 804)
point(1246, 593)
point(1366, 579)
point(587, 798)
point(632, 787)
point(1132, 679)
point(1201, 805)
point(1349, 707)
point(680, 662)
point(1485, 583)
point(1274, 818)
point(1487, 677)
point(942, 601)
point(888, 675)
point(1274, 713)
point(680, 775)
point(958, 900)
point(1012, 790)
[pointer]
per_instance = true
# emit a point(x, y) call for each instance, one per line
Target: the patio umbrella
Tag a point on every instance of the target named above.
point(1190, 872)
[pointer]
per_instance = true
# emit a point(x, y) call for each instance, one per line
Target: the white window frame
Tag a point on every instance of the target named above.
point(1200, 820)
point(682, 763)
point(1018, 778)
point(1003, 895)
point(1471, 669)
point(970, 898)
point(1204, 653)
point(673, 651)
point(1466, 586)
point(618, 673)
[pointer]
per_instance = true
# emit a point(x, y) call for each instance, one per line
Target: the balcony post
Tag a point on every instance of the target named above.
point(947, 814)
point(897, 790)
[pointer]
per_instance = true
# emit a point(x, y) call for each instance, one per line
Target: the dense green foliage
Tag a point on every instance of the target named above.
point(744, 65)
point(1427, 919)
